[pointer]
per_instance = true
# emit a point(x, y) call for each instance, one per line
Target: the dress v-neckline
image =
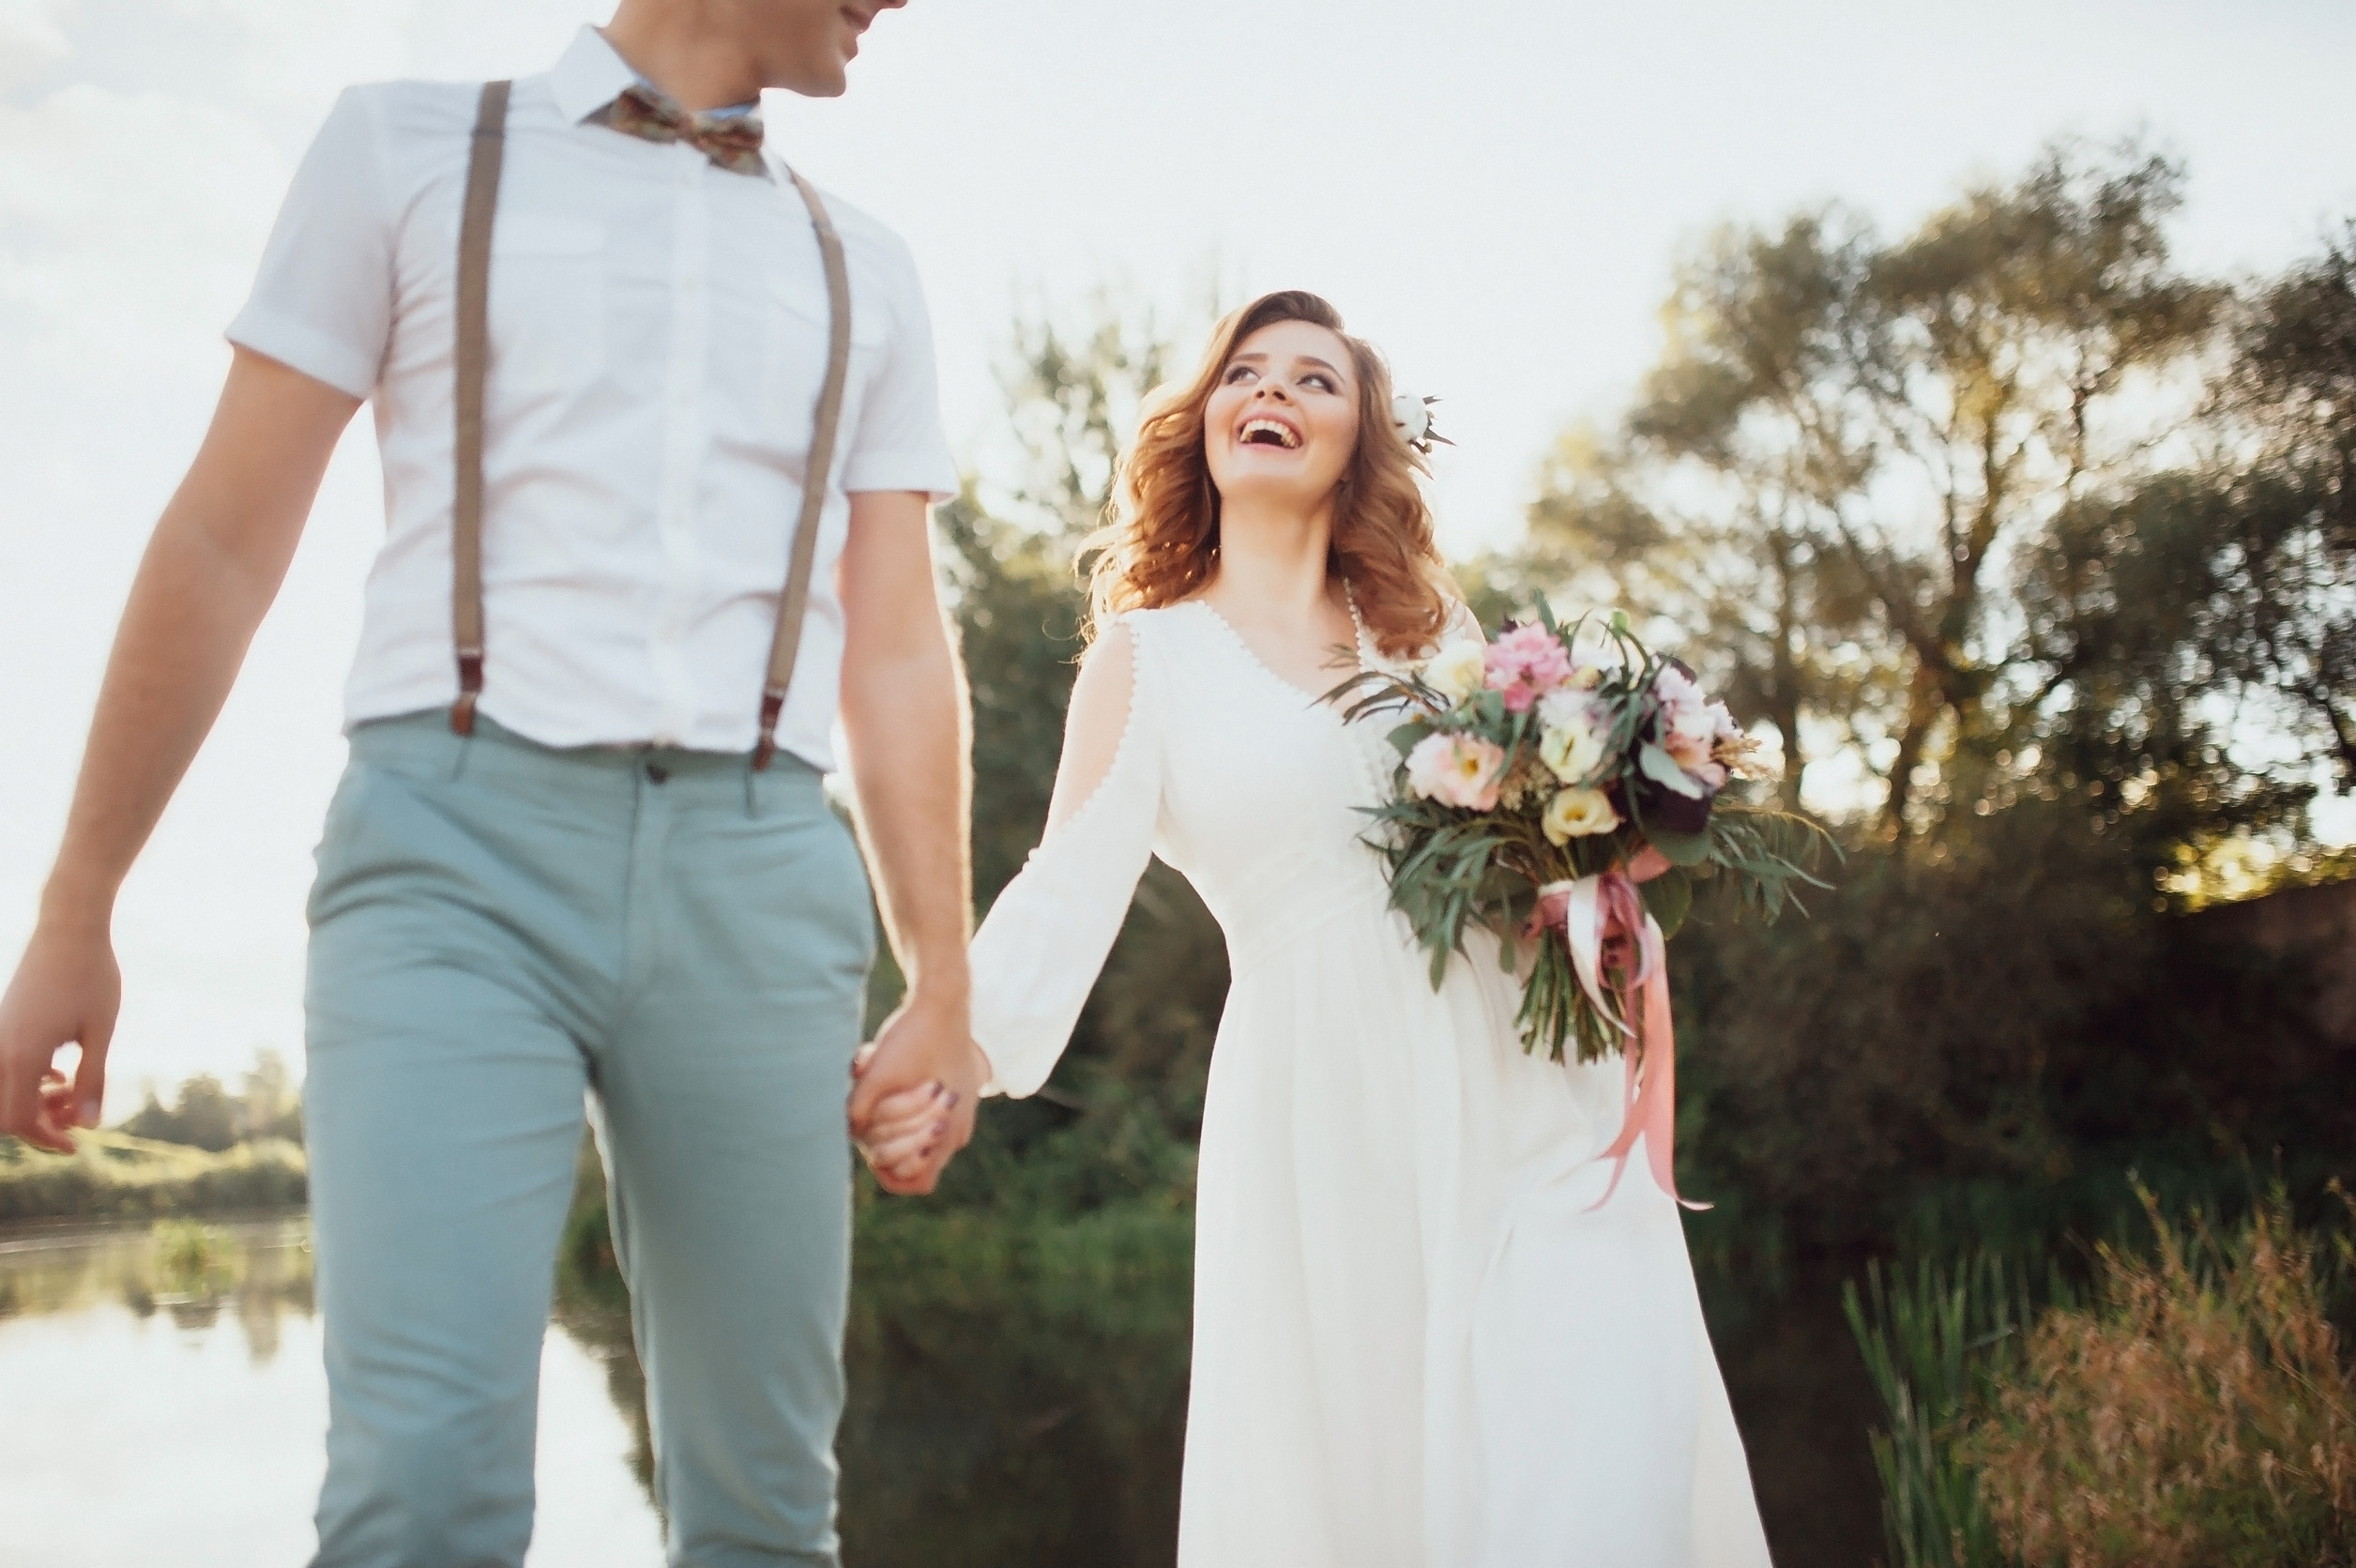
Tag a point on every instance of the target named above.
point(1250, 655)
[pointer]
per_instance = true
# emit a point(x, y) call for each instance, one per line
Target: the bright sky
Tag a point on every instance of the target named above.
point(1494, 189)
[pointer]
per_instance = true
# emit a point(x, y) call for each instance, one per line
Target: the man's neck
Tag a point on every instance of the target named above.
point(687, 51)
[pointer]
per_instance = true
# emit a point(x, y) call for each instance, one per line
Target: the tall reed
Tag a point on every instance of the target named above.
point(1936, 1340)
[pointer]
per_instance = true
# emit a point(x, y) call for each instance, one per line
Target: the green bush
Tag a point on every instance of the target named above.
point(1971, 1048)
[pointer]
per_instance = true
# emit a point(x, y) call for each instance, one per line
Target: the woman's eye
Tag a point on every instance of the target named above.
point(1237, 373)
point(1318, 379)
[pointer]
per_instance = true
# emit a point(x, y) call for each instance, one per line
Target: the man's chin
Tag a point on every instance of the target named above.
point(820, 81)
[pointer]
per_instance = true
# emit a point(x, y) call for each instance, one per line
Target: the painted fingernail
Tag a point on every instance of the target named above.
point(89, 1113)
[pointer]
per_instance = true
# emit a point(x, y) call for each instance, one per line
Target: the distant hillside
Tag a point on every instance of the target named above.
point(116, 1176)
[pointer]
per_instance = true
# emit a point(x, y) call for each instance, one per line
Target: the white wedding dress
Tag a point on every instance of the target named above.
point(1414, 1347)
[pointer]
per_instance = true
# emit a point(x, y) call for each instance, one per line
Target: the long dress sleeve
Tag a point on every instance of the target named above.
point(1039, 950)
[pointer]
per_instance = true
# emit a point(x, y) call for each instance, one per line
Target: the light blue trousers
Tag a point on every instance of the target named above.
point(498, 929)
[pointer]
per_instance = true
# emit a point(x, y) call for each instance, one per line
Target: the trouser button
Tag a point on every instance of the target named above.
point(656, 772)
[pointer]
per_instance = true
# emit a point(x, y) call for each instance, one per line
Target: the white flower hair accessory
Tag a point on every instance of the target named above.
point(1412, 416)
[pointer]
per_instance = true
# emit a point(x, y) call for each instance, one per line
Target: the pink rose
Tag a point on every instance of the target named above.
point(1456, 770)
point(1524, 664)
point(1687, 730)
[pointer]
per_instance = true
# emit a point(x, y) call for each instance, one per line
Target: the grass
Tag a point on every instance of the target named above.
point(2200, 1411)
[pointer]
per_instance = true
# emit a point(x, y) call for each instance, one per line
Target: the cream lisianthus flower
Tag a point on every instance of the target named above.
point(1577, 814)
point(1455, 671)
point(1569, 739)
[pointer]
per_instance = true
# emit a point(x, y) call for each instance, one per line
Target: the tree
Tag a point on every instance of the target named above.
point(1705, 507)
point(2288, 617)
point(204, 1114)
point(1847, 442)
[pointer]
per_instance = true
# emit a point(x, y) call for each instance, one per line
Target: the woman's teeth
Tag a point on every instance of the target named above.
point(1270, 433)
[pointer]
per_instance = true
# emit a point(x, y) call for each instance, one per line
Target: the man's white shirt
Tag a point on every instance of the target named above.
point(657, 337)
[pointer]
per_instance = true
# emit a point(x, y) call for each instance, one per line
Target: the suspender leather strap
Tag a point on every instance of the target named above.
point(791, 605)
point(473, 358)
point(474, 344)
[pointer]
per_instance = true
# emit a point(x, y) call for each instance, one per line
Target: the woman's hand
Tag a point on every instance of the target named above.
point(903, 1139)
point(1649, 863)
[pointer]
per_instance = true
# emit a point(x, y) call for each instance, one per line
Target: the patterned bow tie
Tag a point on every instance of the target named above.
point(731, 141)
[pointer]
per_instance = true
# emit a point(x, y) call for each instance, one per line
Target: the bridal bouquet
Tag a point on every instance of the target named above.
point(1534, 770)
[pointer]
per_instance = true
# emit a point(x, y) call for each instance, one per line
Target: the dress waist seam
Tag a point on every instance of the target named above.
point(1252, 945)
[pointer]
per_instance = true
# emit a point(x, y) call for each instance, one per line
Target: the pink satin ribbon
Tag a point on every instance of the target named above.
point(1605, 925)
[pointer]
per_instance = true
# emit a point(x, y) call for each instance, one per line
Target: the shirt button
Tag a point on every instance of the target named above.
point(657, 773)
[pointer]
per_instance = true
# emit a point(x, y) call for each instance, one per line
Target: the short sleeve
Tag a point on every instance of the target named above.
point(323, 298)
point(899, 444)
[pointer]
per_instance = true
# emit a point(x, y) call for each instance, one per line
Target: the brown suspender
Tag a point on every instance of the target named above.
point(474, 348)
point(796, 599)
point(474, 295)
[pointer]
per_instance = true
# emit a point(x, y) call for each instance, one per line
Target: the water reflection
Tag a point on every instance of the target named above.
point(1029, 1416)
point(168, 1404)
point(259, 1271)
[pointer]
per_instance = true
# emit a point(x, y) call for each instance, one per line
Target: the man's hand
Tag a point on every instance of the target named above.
point(65, 993)
point(915, 1091)
point(214, 564)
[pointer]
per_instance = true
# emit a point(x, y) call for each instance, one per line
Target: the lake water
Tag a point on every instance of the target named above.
point(156, 1408)
point(147, 1423)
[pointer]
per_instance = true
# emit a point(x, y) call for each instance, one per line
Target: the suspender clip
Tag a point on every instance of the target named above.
point(470, 691)
point(764, 749)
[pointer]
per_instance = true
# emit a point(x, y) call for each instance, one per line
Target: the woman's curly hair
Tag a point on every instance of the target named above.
point(1161, 540)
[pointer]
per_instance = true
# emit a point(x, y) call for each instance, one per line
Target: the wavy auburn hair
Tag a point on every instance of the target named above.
point(1159, 541)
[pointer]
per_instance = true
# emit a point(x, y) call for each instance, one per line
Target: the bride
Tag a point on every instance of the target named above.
point(1414, 1343)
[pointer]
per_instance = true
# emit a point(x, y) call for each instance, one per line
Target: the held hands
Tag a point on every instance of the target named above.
point(66, 992)
point(914, 1094)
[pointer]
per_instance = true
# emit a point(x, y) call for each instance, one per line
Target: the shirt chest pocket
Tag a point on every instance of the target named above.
point(794, 362)
point(547, 305)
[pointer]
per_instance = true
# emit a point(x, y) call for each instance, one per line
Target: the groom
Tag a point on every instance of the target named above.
point(659, 432)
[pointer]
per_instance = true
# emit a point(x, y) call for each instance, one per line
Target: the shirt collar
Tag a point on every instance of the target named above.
point(588, 76)
point(591, 75)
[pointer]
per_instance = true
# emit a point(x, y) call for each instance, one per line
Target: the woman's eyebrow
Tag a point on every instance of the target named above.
point(1312, 359)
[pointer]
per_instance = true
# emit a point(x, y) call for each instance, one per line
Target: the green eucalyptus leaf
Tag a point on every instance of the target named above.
point(1406, 737)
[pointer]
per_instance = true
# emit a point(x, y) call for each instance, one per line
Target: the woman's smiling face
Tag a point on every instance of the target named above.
point(1282, 424)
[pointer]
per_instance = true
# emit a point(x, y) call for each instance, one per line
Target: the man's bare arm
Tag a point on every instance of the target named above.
point(212, 568)
point(905, 712)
